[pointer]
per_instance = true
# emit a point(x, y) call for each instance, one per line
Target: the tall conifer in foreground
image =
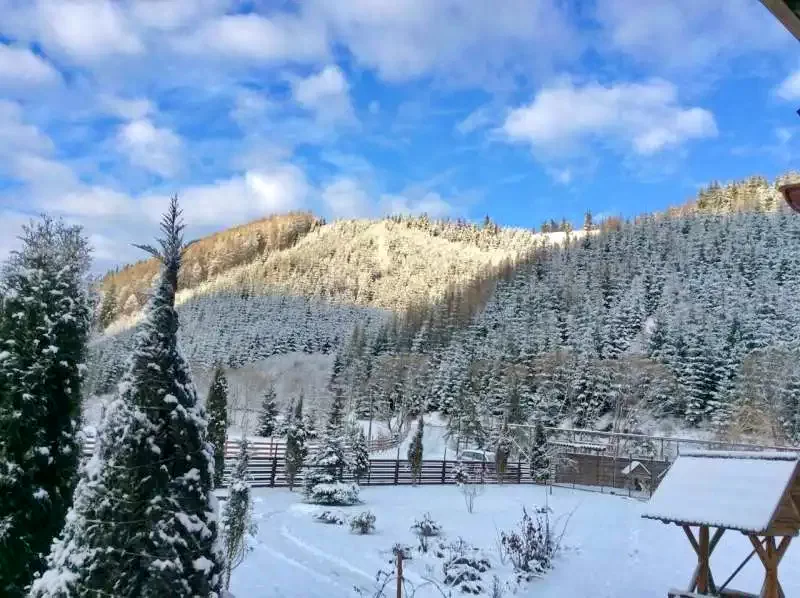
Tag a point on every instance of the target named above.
point(217, 410)
point(44, 323)
point(415, 452)
point(144, 521)
point(268, 418)
point(237, 522)
point(296, 450)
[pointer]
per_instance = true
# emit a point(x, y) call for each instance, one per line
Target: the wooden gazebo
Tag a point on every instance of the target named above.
point(757, 494)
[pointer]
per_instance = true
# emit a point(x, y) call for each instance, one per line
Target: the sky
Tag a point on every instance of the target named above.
point(524, 110)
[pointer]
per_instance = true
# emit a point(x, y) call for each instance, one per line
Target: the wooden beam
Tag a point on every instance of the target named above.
point(692, 541)
point(715, 539)
point(702, 555)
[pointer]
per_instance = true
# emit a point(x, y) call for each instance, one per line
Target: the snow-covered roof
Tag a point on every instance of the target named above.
point(734, 490)
point(633, 466)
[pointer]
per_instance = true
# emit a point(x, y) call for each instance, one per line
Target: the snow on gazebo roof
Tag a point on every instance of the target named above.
point(744, 491)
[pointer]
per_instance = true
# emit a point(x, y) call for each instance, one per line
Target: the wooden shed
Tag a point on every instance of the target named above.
point(757, 494)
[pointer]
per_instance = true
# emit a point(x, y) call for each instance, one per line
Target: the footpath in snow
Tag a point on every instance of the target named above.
point(610, 551)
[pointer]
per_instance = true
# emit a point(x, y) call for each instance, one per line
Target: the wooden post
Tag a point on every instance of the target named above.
point(444, 470)
point(274, 468)
point(399, 573)
point(396, 470)
point(702, 555)
point(519, 471)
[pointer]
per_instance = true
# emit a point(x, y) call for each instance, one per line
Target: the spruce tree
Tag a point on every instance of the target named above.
point(540, 458)
point(217, 410)
point(44, 323)
point(502, 452)
point(108, 306)
point(296, 450)
point(415, 452)
point(268, 418)
point(237, 525)
point(360, 455)
point(144, 519)
point(324, 480)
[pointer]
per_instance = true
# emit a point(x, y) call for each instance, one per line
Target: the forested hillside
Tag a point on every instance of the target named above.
point(690, 320)
point(674, 321)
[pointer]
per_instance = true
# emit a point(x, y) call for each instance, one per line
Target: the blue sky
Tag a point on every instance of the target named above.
point(521, 109)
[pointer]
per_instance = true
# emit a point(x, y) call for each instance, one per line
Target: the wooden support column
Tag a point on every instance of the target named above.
point(770, 555)
point(702, 579)
point(702, 561)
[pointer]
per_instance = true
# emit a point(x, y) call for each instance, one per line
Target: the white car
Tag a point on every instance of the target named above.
point(477, 456)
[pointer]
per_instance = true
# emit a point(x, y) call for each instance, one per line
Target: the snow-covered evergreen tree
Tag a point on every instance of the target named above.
point(296, 450)
point(324, 481)
point(415, 452)
point(237, 525)
point(108, 306)
point(502, 452)
point(144, 519)
point(217, 415)
point(540, 458)
point(44, 322)
point(360, 455)
point(268, 418)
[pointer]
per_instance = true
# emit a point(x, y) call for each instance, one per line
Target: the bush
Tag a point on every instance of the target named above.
point(532, 547)
point(471, 484)
point(425, 529)
point(363, 523)
point(464, 568)
point(331, 517)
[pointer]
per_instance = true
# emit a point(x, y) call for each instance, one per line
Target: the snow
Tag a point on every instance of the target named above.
point(732, 490)
point(611, 552)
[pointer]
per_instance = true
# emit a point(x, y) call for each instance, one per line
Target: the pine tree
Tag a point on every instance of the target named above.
point(217, 409)
point(502, 452)
point(324, 480)
point(108, 307)
point(296, 450)
point(540, 458)
point(360, 455)
point(44, 323)
point(267, 419)
point(415, 452)
point(144, 519)
point(237, 525)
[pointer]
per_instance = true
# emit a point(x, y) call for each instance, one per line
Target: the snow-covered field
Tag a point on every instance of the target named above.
point(611, 552)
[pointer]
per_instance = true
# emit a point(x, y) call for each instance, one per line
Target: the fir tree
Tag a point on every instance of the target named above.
point(217, 409)
point(144, 519)
point(360, 455)
point(324, 480)
point(237, 525)
point(415, 452)
point(502, 452)
point(108, 306)
point(267, 419)
point(296, 450)
point(540, 458)
point(44, 322)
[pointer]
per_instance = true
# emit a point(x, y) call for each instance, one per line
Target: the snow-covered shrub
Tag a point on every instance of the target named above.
point(464, 568)
point(470, 483)
point(238, 527)
point(497, 590)
point(425, 529)
point(331, 517)
point(363, 523)
point(532, 546)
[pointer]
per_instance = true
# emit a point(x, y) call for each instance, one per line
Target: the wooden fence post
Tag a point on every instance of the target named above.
point(396, 470)
point(274, 468)
point(399, 573)
point(519, 471)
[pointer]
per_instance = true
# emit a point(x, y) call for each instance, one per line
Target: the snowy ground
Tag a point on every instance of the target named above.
point(611, 552)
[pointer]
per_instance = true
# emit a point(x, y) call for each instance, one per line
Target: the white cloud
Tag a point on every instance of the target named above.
point(430, 203)
point(477, 119)
point(19, 67)
point(687, 34)
point(252, 37)
point(326, 94)
point(643, 117)
point(405, 39)
point(17, 136)
point(86, 31)
point(789, 88)
point(170, 15)
point(345, 198)
point(147, 146)
point(126, 108)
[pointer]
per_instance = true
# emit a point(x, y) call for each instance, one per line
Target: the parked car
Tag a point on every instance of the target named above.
point(477, 456)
